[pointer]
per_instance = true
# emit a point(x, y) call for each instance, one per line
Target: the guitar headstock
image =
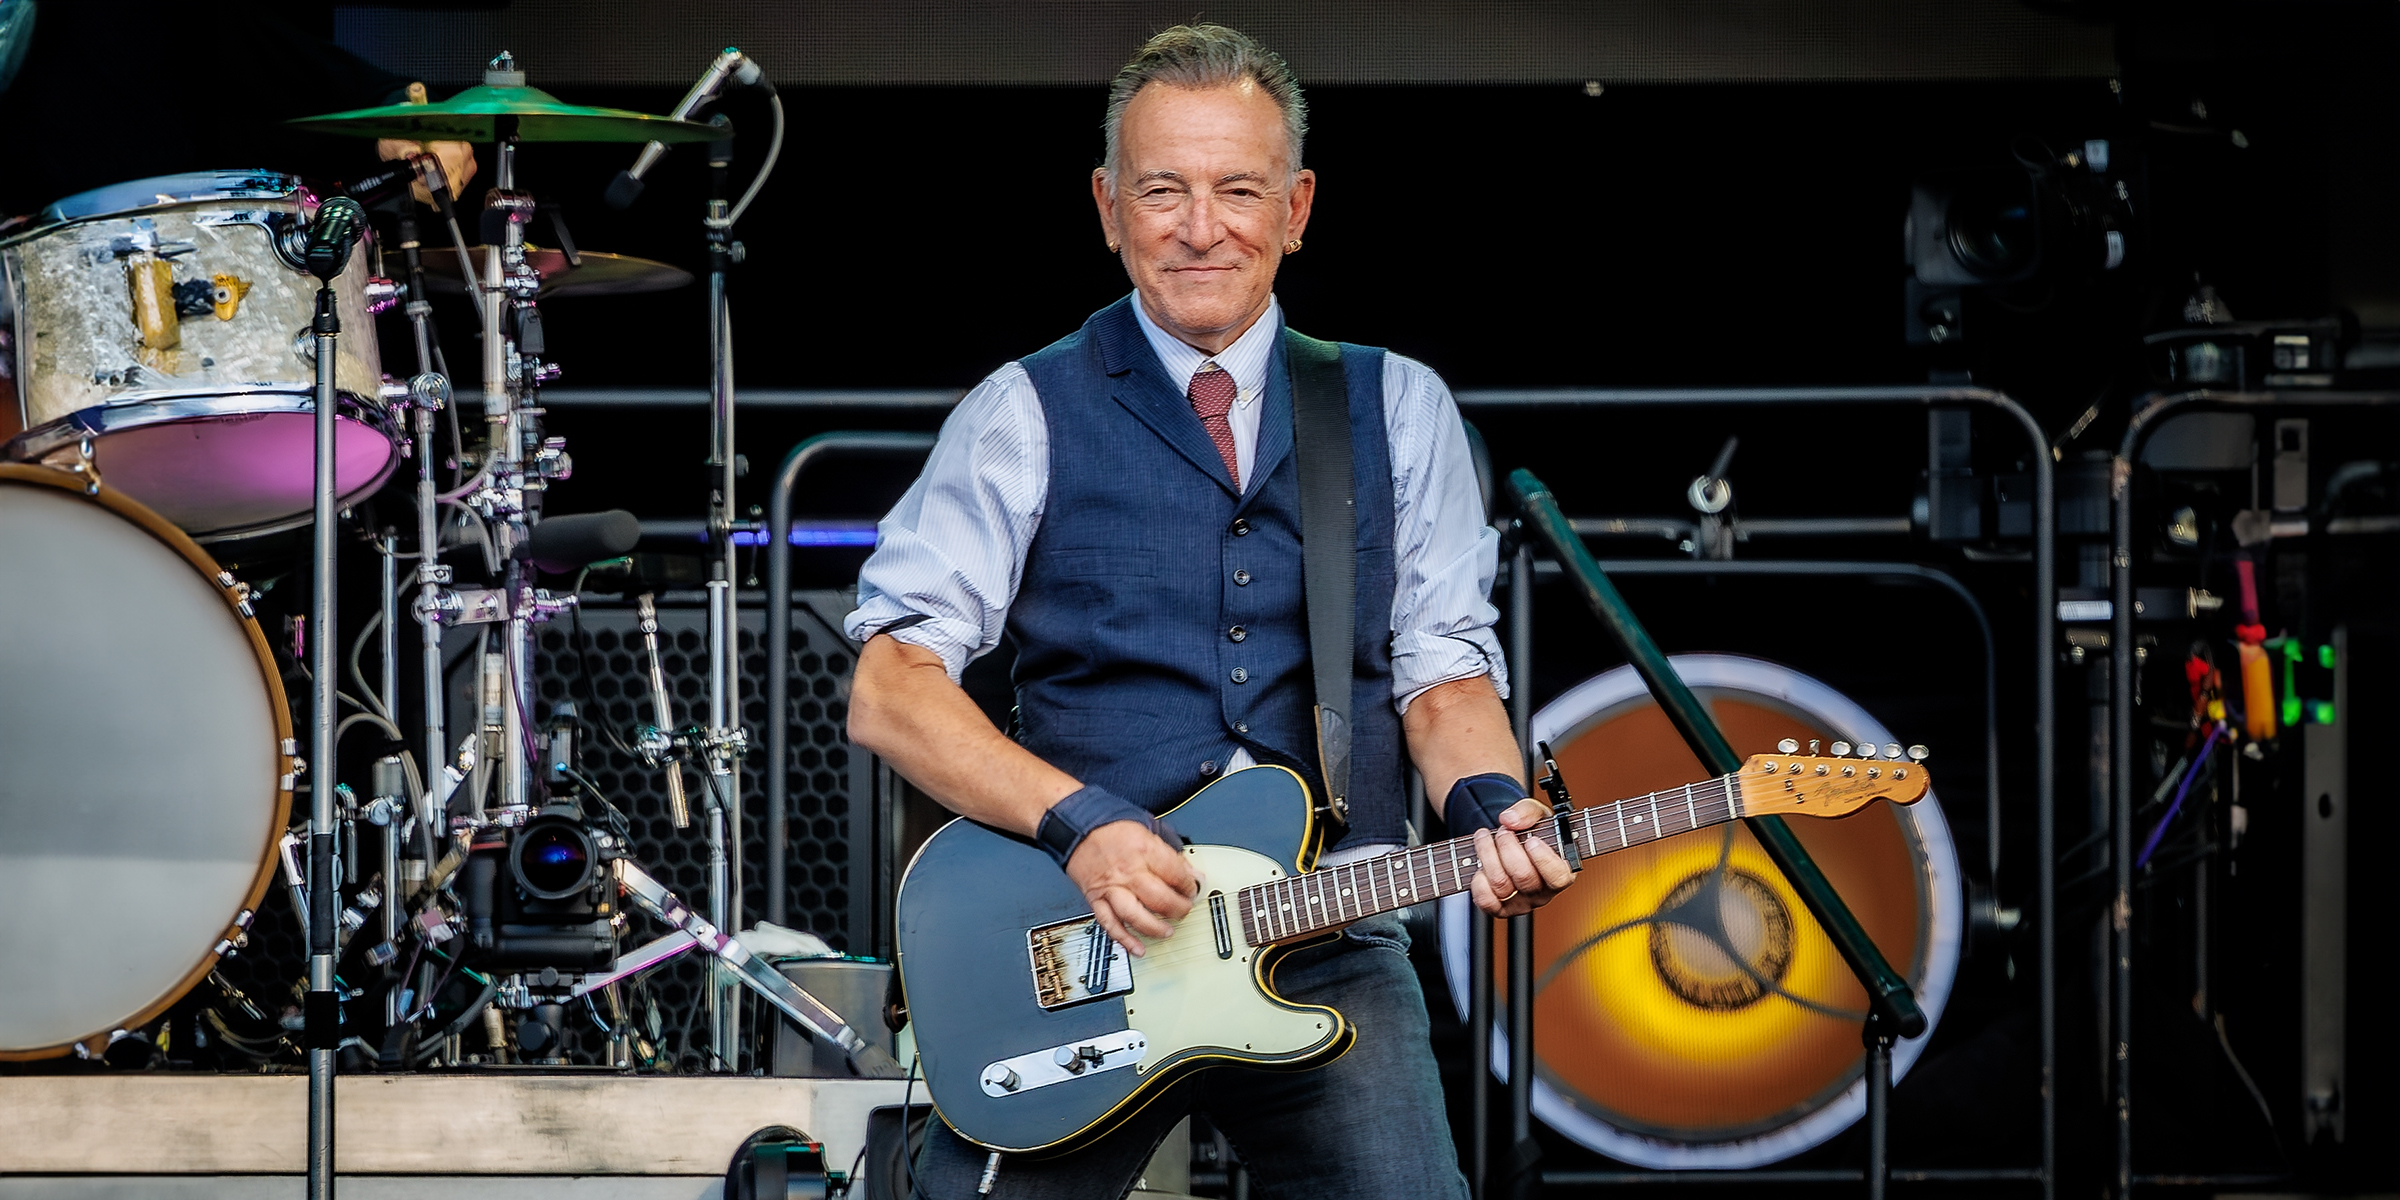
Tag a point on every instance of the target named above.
point(1835, 785)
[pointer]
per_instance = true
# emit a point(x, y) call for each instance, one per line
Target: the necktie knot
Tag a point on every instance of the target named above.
point(1213, 391)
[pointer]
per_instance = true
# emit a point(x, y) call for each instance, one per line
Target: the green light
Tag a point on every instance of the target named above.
point(2320, 712)
point(2325, 657)
point(2291, 648)
point(2291, 710)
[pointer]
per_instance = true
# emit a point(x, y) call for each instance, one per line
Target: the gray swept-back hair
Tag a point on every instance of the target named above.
point(1202, 56)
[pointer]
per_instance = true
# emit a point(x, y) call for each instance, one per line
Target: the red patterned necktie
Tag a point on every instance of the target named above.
point(1212, 395)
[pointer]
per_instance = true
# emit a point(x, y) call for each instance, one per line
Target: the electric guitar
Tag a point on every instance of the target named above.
point(1036, 1032)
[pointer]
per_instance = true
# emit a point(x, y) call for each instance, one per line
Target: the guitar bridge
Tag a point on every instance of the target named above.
point(1075, 961)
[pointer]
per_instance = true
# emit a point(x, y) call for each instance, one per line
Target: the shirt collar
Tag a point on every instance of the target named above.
point(1246, 358)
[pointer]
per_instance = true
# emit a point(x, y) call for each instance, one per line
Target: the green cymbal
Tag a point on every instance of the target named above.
point(479, 113)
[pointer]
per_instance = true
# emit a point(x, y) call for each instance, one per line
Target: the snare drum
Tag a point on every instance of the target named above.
point(145, 763)
point(162, 327)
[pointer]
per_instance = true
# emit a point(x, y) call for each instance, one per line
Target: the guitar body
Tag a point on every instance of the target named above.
point(1004, 977)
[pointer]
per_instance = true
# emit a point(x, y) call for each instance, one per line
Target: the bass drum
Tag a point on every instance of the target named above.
point(145, 760)
point(1688, 1012)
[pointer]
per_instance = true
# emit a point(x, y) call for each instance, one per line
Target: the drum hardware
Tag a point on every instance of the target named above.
point(588, 273)
point(505, 110)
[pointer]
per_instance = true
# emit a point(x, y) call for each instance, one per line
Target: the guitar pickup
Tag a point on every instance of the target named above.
point(1075, 961)
point(1058, 1064)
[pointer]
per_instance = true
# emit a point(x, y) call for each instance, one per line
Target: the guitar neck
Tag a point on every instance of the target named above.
point(1301, 905)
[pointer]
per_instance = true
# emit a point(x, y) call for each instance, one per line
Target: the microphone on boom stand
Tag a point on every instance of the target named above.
point(332, 234)
point(338, 223)
point(732, 64)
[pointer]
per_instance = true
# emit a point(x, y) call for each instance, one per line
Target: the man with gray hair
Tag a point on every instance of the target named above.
point(1124, 506)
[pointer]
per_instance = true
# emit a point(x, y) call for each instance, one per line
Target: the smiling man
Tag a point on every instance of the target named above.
point(1124, 507)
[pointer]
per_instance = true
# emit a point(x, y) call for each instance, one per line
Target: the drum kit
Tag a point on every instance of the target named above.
point(172, 381)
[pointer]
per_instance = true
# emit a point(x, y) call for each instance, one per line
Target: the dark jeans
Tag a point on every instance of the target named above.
point(1369, 1125)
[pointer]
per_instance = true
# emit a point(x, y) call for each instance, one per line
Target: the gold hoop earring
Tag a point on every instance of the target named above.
point(1292, 246)
point(1114, 248)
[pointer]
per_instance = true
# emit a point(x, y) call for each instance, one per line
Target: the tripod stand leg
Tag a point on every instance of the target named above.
point(652, 897)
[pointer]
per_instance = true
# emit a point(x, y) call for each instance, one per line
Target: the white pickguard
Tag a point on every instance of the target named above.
point(1189, 1002)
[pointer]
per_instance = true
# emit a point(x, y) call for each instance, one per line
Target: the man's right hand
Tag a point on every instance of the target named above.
point(1137, 884)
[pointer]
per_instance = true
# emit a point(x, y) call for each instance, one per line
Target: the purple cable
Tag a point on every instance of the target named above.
point(2184, 789)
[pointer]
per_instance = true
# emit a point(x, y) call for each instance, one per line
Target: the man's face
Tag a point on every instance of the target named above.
point(1203, 205)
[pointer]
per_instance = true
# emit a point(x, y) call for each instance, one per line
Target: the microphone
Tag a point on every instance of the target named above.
point(331, 235)
point(375, 189)
point(562, 544)
point(745, 73)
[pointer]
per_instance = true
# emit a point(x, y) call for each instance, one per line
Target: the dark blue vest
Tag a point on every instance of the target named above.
point(1159, 624)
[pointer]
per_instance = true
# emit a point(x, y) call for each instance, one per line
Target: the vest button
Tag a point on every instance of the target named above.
point(1241, 726)
point(1209, 767)
point(1241, 527)
point(1236, 634)
point(1241, 578)
point(1241, 674)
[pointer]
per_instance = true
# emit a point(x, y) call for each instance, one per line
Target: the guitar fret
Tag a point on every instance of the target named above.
point(1300, 905)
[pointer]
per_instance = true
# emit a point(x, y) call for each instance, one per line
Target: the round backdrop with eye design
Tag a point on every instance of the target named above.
point(1688, 1013)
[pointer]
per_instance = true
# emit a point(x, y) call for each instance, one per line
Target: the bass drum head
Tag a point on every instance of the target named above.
point(141, 735)
point(1688, 1011)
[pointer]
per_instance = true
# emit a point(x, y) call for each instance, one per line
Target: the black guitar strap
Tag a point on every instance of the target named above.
point(1328, 550)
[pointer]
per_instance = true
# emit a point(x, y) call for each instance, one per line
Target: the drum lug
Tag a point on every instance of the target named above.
point(240, 592)
point(381, 294)
point(238, 935)
point(290, 748)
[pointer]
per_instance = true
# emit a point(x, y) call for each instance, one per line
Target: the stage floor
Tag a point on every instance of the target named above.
point(525, 1136)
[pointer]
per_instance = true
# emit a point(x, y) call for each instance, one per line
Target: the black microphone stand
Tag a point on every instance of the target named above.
point(322, 1016)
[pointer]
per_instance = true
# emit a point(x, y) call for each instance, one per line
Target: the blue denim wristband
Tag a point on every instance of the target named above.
point(1074, 818)
point(1477, 801)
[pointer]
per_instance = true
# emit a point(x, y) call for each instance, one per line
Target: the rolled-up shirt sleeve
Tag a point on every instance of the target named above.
point(950, 554)
point(1445, 551)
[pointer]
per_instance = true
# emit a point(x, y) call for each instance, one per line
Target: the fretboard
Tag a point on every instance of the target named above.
point(1282, 909)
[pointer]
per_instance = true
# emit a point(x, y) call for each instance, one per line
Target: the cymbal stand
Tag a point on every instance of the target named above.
point(723, 742)
point(429, 392)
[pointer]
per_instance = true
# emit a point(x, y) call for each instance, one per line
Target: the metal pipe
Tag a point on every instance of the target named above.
point(1479, 1051)
point(322, 1017)
point(779, 671)
point(724, 639)
point(1771, 1177)
point(1520, 929)
point(1892, 1001)
point(2145, 421)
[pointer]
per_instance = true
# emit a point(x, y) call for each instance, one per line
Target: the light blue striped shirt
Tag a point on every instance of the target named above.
point(949, 556)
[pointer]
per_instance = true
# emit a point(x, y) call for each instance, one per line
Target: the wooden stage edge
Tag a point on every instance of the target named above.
point(557, 1126)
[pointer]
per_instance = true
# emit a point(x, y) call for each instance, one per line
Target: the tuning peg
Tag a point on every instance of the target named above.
point(1918, 753)
point(1812, 747)
point(1891, 750)
point(1788, 746)
point(1841, 749)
